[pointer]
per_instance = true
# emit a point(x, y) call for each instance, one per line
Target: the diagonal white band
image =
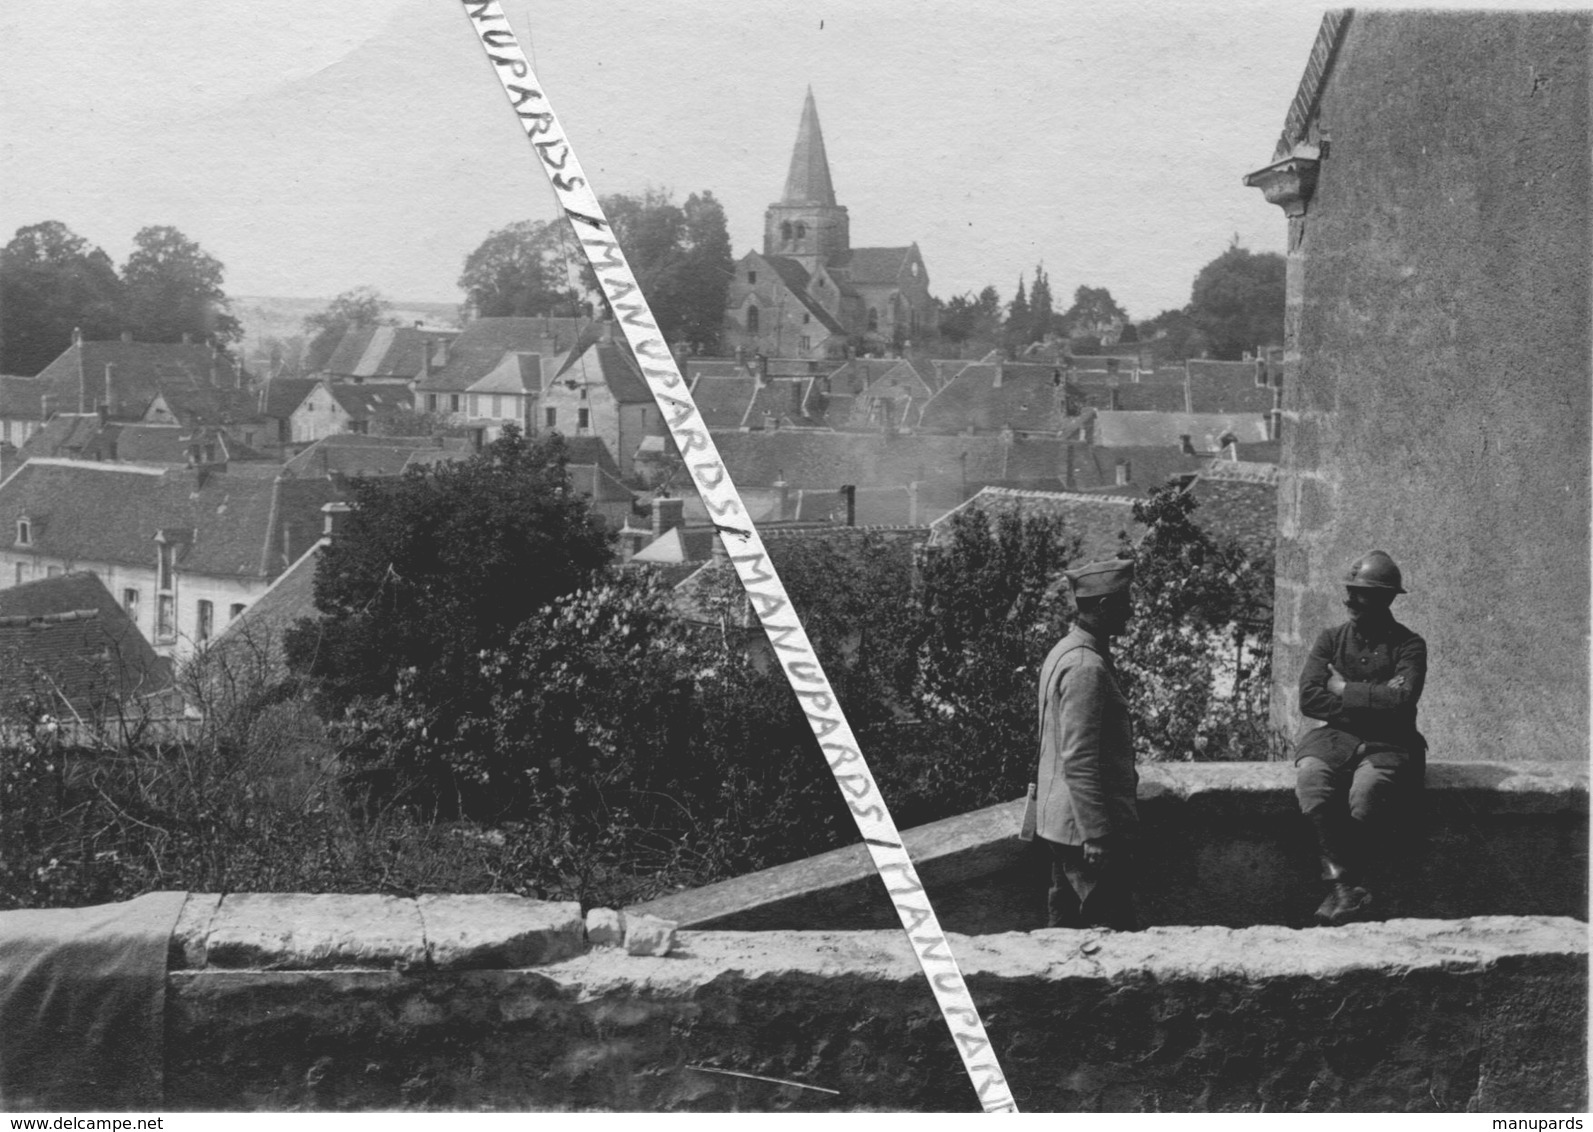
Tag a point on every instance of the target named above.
point(746, 551)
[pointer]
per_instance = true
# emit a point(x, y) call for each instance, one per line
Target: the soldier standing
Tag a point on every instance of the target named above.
point(1355, 773)
point(1086, 781)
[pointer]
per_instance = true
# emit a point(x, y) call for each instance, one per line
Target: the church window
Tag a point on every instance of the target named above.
point(801, 230)
point(807, 343)
point(752, 320)
point(806, 318)
point(752, 277)
point(785, 230)
point(873, 319)
point(24, 532)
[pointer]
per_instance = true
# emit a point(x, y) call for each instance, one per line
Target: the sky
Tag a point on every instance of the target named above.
point(315, 147)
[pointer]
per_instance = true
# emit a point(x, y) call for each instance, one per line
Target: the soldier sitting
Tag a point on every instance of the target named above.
point(1355, 774)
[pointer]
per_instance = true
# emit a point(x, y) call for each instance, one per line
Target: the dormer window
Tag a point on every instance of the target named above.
point(24, 533)
point(752, 277)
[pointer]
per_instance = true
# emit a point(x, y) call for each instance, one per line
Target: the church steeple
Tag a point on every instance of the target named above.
point(806, 224)
point(808, 182)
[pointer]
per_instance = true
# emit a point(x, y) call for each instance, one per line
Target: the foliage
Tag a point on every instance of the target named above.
point(680, 257)
point(1016, 330)
point(973, 317)
point(1237, 301)
point(418, 423)
point(51, 282)
point(436, 567)
point(523, 269)
point(1093, 310)
point(1042, 314)
point(991, 602)
point(172, 287)
point(1183, 339)
point(363, 306)
point(1197, 655)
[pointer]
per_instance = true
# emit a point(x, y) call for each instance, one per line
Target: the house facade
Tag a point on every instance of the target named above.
point(1434, 173)
point(183, 551)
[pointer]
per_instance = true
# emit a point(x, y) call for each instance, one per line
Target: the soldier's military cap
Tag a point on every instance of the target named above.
point(1101, 578)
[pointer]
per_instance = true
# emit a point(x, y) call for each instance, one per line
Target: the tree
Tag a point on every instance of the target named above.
point(991, 602)
point(1041, 313)
point(1019, 321)
point(1093, 311)
point(680, 257)
point(970, 317)
point(1237, 301)
point(172, 288)
point(523, 269)
point(363, 306)
point(435, 568)
point(705, 275)
point(1196, 658)
point(53, 281)
point(1183, 338)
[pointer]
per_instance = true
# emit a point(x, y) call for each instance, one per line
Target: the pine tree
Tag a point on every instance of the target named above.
point(1041, 311)
point(1018, 321)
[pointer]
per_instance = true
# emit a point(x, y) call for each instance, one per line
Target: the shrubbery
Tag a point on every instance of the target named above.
point(579, 737)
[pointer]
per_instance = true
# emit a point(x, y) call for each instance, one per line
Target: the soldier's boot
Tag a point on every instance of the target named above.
point(1346, 901)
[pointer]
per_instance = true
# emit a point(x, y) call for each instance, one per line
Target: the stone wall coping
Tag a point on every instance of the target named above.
point(301, 931)
point(962, 844)
point(1162, 954)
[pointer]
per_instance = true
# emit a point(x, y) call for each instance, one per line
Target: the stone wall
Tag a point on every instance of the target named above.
point(1220, 843)
point(1473, 1015)
point(1437, 400)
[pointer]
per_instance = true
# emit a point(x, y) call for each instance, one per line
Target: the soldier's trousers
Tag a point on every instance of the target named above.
point(1082, 897)
point(1351, 808)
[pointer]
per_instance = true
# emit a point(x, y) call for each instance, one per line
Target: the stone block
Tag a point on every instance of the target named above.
point(499, 931)
point(190, 938)
point(605, 927)
point(648, 935)
point(290, 931)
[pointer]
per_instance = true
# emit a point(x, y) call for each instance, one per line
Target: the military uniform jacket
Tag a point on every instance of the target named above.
point(1384, 671)
point(1086, 781)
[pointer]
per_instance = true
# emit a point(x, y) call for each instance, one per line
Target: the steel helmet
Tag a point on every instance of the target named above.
point(1375, 571)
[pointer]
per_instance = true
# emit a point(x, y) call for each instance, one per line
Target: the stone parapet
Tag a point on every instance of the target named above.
point(1221, 843)
point(297, 932)
point(1482, 1014)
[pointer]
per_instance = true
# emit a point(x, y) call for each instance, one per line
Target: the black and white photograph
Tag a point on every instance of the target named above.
point(586, 556)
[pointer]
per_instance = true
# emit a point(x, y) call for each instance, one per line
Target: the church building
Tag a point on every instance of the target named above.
point(810, 293)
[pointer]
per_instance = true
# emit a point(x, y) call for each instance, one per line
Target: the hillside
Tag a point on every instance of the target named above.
point(275, 316)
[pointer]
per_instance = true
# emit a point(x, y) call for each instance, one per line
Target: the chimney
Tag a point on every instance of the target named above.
point(1186, 445)
point(771, 423)
point(334, 517)
point(1124, 472)
point(419, 322)
point(849, 493)
point(762, 361)
point(188, 339)
point(77, 336)
point(425, 358)
point(127, 336)
point(1001, 373)
point(668, 513)
point(785, 496)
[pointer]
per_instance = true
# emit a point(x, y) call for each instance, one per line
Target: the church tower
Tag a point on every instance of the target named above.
point(807, 225)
